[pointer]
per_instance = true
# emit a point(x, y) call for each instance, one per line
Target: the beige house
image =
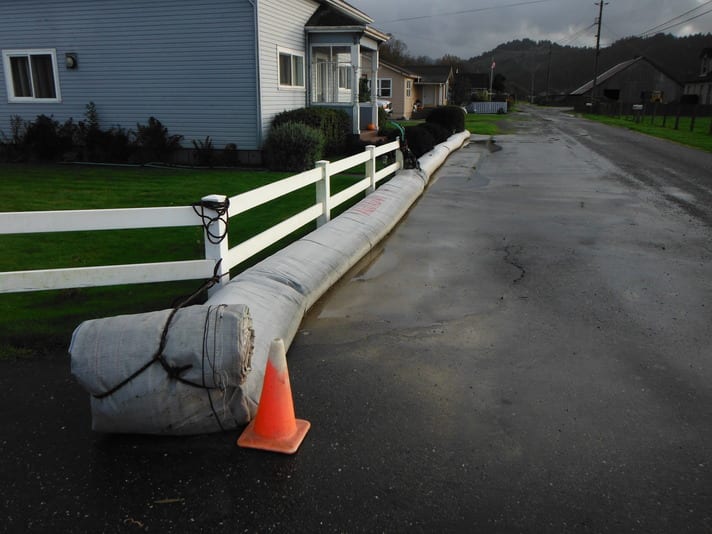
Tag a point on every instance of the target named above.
point(408, 88)
point(398, 85)
point(434, 84)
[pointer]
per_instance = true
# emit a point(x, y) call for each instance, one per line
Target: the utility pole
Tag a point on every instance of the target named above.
point(548, 73)
point(600, 5)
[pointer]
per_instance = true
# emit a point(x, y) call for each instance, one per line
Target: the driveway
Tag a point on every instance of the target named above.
point(528, 351)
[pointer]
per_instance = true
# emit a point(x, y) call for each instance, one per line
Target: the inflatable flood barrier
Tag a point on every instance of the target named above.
point(269, 300)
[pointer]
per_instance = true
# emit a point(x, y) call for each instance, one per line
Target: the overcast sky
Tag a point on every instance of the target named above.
point(467, 28)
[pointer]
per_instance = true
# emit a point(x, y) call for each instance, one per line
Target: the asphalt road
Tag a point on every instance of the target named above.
point(529, 351)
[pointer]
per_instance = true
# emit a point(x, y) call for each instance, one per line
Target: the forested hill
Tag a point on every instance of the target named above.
point(525, 61)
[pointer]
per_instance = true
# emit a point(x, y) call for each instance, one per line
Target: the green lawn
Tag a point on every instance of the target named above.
point(42, 322)
point(483, 124)
point(699, 138)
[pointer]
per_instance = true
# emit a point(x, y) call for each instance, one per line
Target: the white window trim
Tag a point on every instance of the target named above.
point(390, 87)
point(297, 53)
point(7, 54)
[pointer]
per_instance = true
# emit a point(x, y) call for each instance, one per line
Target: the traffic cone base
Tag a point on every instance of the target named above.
point(287, 445)
point(274, 427)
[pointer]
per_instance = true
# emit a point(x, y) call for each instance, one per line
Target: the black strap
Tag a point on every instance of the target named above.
point(173, 372)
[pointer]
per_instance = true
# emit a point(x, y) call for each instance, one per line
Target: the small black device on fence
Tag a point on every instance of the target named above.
point(409, 159)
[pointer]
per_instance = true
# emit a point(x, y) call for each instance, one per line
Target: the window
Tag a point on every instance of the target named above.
point(291, 69)
point(344, 77)
point(409, 88)
point(384, 87)
point(332, 74)
point(31, 75)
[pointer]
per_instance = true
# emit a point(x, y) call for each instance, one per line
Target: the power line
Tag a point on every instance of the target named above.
point(477, 10)
point(577, 35)
point(664, 25)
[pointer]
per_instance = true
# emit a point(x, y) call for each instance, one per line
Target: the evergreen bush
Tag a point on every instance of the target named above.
point(438, 131)
point(293, 146)
point(154, 142)
point(334, 125)
point(450, 117)
point(45, 139)
point(420, 140)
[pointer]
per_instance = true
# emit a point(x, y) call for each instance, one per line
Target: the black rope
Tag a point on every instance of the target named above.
point(204, 357)
point(173, 372)
point(221, 214)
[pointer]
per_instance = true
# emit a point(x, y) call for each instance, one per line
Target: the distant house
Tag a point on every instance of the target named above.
point(434, 84)
point(222, 68)
point(635, 80)
point(426, 86)
point(398, 85)
point(478, 83)
point(701, 87)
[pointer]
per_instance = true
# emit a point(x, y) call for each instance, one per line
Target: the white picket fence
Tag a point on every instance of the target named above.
point(162, 217)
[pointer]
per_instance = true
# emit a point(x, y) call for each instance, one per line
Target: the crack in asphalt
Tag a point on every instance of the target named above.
point(511, 260)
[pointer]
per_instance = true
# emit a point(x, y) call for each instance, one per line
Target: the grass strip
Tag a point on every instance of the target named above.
point(40, 323)
point(664, 128)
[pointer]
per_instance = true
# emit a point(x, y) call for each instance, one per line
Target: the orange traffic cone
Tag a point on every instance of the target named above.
point(274, 428)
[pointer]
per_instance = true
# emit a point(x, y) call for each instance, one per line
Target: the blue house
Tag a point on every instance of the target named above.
point(219, 68)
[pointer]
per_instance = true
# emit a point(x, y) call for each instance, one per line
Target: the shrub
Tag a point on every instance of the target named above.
point(334, 125)
point(46, 139)
point(154, 142)
point(230, 156)
point(450, 117)
point(440, 133)
point(113, 145)
point(11, 149)
point(203, 152)
point(420, 140)
point(293, 146)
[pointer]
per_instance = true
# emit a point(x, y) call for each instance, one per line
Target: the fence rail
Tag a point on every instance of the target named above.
point(218, 254)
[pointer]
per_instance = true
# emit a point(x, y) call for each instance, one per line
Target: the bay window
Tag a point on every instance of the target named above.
point(332, 74)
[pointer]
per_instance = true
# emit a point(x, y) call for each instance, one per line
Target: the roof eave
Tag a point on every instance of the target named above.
point(372, 33)
point(349, 10)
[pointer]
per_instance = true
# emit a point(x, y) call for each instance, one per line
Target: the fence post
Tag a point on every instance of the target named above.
point(214, 213)
point(400, 160)
point(323, 192)
point(692, 120)
point(677, 116)
point(371, 168)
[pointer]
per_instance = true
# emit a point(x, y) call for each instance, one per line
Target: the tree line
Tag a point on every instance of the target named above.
point(526, 67)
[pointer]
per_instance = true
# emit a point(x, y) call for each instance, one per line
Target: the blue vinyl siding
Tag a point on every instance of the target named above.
point(191, 64)
point(278, 30)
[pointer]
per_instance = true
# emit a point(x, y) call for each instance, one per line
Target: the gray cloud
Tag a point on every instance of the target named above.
point(468, 34)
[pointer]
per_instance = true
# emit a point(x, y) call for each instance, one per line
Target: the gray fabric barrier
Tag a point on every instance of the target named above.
point(208, 347)
point(274, 294)
point(280, 289)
